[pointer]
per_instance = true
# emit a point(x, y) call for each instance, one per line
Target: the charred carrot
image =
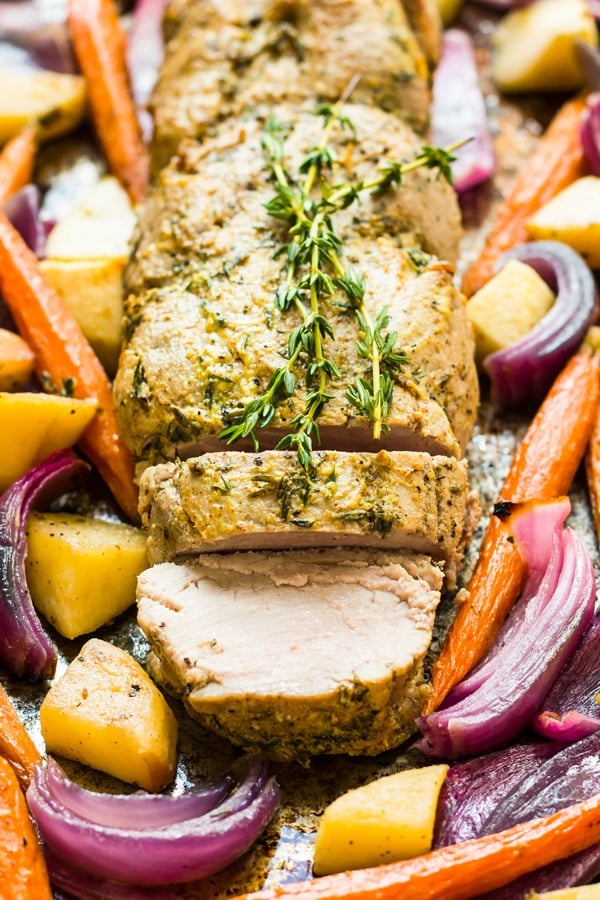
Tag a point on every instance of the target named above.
point(65, 359)
point(16, 163)
point(23, 873)
point(461, 871)
point(15, 744)
point(556, 163)
point(543, 467)
point(99, 43)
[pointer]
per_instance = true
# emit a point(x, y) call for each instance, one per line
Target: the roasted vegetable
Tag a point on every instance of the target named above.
point(105, 712)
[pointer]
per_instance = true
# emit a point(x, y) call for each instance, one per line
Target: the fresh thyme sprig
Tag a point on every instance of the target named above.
point(313, 271)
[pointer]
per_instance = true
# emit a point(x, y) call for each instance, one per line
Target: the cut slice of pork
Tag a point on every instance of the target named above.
point(295, 653)
point(246, 501)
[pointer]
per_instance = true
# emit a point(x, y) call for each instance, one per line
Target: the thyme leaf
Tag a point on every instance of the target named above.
point(308, 202)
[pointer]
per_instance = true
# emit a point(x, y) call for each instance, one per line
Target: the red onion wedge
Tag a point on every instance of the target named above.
point(502, 696)
point(23, 210)
point(569, 776)
point(177, 852)
point(75, 884)
point(46, 43)
point(459, 112)
point(494, 792)
point(571, 710)
point(25, 648)
point(140, 809)
point(522, 374)
point(590, 133)
point(473, 788)
point(145, 51)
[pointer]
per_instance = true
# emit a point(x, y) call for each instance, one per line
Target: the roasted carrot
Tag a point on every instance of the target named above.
point(65, 359)
point(16, 163)
point(23, 873)
point(543, 467)
point(15, 744)
point(99, 43)
point(460, 871)
point(557, 161)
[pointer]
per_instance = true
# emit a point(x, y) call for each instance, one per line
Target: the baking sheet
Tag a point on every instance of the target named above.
point(285, 849)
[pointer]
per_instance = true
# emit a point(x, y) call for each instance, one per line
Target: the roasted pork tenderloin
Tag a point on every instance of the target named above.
point(312, 639)
point(295, 653)
point(204, 338)
point(247, 501)
point(225, 56)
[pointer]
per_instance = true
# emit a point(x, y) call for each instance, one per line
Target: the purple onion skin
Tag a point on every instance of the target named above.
point(83, 887)
point(569, 776)
point(590, 132)
point(23, 210)
point(571, 710)
point(499, 707)
point(185, 851)
point(25, 648)
point(459, 112)
point(541, 519)
point(46, 43)
point(522, 373)
point(138, 810)
point(473, 788)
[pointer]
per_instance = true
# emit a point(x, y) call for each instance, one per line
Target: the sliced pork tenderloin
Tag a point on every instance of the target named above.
point(226, 56)
point(204, 337)
point(295, 653)
point(246, 501)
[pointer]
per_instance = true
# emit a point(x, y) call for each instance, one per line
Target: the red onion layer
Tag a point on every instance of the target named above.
point(46, 43)
point(129, 810)
point(23, 210)
point(474, 787)
point(494, 792)
point(177, 852)
point(458, 112)
point(503, 694)
point(145, 52)
point(571, 710)
point(590, 133)
point(523, 373)
point(25, 648)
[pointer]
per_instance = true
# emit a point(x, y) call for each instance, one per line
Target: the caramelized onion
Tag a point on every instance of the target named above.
point(154, 855)
point(501, 696)
point(522, 374)
point(25, 648)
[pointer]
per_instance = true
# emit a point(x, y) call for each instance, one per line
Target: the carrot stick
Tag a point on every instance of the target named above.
point(16, 163)
point(557, 161)
point(543, 467)
point(99, 44)
point(23, 873)
point(63, 354)
point(460, 871)
point(15, 744)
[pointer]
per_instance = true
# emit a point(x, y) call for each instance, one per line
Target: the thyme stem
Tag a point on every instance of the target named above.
point(314, 246)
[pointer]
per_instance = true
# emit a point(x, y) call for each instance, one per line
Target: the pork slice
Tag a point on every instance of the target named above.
point(295, 653)
point(223, 57)
point(204, 336)
point(246, 501)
